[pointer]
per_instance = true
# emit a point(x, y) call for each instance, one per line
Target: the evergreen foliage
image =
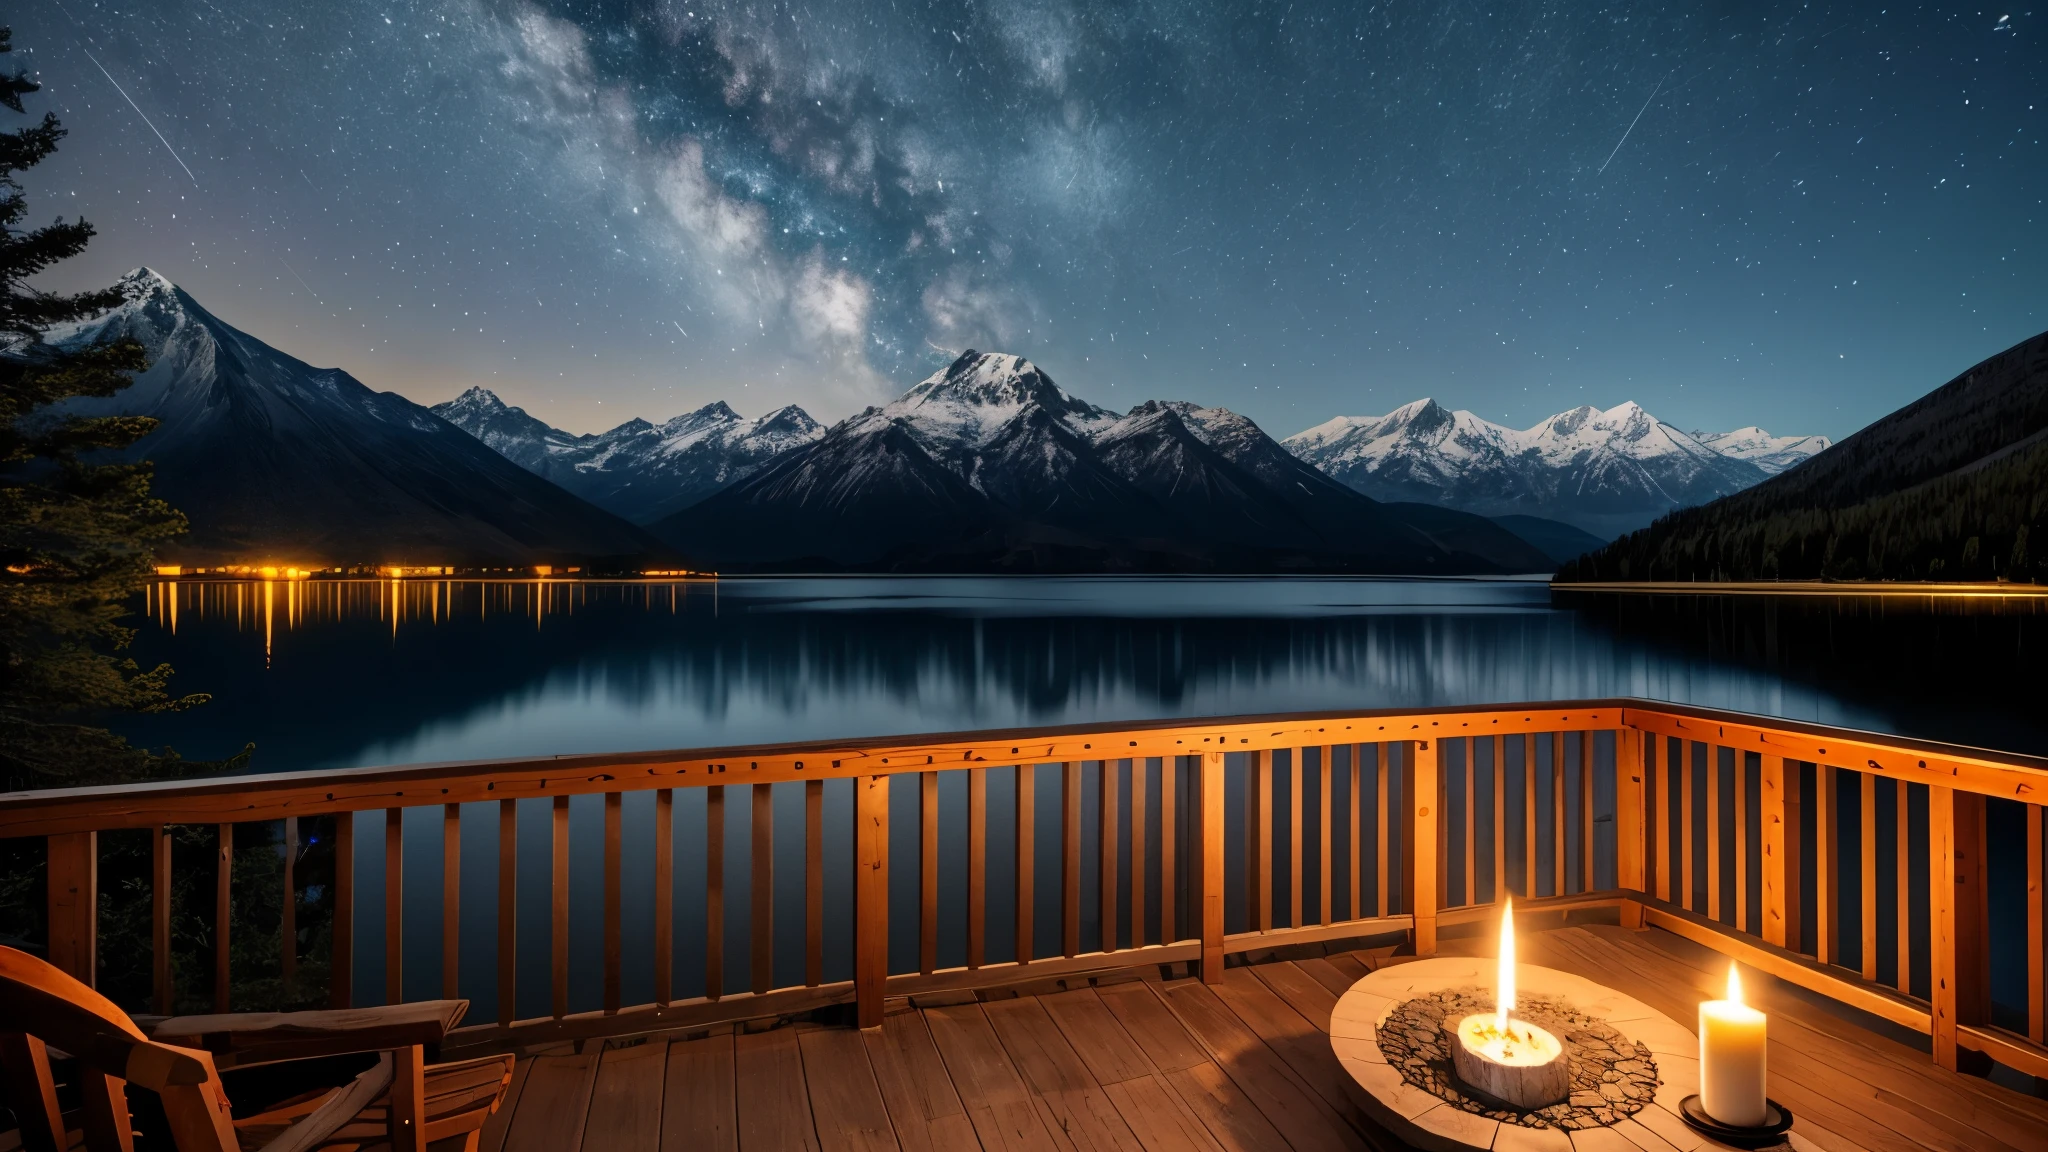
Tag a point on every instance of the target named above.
point(1951, 487)
point(76, 531)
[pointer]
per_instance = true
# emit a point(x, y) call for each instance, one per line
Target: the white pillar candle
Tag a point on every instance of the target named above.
point(1732, 1058)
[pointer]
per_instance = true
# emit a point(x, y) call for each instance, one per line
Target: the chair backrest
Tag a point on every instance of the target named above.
point(43, 1001)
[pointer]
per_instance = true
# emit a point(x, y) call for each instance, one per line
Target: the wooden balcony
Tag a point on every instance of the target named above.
point(1209, 888)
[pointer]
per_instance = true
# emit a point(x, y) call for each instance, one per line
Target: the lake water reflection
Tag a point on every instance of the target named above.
point(347, 673)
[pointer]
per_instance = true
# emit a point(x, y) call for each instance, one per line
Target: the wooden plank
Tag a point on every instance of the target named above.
point(2037, 886)
point(1097, 1039)
point(1106, 820)
point(1139, 770)
point(508, 912)
point(922, 1103)
point(1230, 1115)
point(1529, 886)
point(1560, 840)
point(1383, 855)
point(1787, 967)
point(626, 1102)
point(761, 890)
point(341, 955)
point(1867, 877)
point(1258, 825)
point(1495, 758)
point(1303, 1117)
point(1827, 888)
point(846, 1103)
point(1323, 971)
point(288, 907)
point(1630, 851)
point(870, 897)
point(1741, 843)
point(451, 900)
point(1777, 873)
point(612, 958)
point(1791, 776)
point(772, 1096)
point(1357, 872)
point(1302, 992)
point(699, 1097)
point(1157, 1116)
point(558, 894)
point(223, 880)
point(394, 905)
point(1972, 911)
point(1151, 1025)
point(72, 886)
point(977, 866)
point(553, 1103)
point(1657, 768)
point(1713, 829)
point(664, 896)
point(714, 891)
point(1297, 851)
point(1326, 793)
point(1902, 882)
point(928, 872)
point(1209, 849)
point(990, 1087)
point(1422, 890)
point(161, 991)
point(1026, 815)
point(814, 883)
point(1169, 840)
point(1067, 1094)
point(1470, 892)
point(1688, 767)
point(1070, 859)
point(1587, 829)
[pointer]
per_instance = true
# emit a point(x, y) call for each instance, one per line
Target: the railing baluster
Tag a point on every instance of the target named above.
point(1425, 800)
point(1713, 765)
point(1586, 826)
point(1209, 848)
point(1326, 794)
point(814, 883)
point(1867, 877)
point(1902, 868)
point(1827, 888)
point(288, 909)
point(341, 960)
point(160, 918)
point(714, 891)
point(1357, 873)
point(2037, 992)
point(1297, 788)
point(1382, 854)
point(1793, 854)
point(1070, 859)
point(508, 912)
point(1658, 769)
point(761, 889)
point(928, 872)
point(612, 959)
point(665, 894)
point(1026, 814)
point(558, 951)
point(224, 875)
point(1741, 842)
point(1688, 762)
point(1258, 841)
point(1471, 887)
point(1138, 767)
point(1942, 879)
point(451, 899)
point(1529, 886)
point(1780, 866)
point(72, 876)
point(1169, 818)
point(977, 866)
point(871, 898)
point(394, 905)
point(1106, 844)
point(1495, 759)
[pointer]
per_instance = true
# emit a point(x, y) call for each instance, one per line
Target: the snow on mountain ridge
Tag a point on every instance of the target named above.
point(1774, 454)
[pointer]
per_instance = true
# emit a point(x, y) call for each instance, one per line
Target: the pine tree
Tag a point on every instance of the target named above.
point(76, 531)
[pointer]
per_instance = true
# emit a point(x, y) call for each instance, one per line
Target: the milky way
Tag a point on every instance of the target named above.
point(1798, 215)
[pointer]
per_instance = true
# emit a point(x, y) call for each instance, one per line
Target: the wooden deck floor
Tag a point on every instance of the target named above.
point(1146, 1063)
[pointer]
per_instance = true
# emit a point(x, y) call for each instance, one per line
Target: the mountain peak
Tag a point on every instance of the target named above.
point(143, 282)
point(963, 405)
point(475, 398)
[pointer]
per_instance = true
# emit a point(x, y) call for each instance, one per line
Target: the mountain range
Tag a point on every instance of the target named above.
point(272, 458)
point(1953, 486)
point(1606, 472)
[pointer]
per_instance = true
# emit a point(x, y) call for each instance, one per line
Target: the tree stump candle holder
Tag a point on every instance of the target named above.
point(1522, 1067)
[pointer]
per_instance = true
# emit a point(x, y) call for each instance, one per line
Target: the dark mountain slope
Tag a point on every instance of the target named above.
point(1951, 487)
point(271, 458)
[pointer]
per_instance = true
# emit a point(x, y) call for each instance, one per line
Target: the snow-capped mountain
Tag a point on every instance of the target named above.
point(989, 464)
point(1607, 472)
point(272, 458)
point(1773, 454)
point(639, 470)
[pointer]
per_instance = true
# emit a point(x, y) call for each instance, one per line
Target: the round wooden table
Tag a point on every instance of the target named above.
point(1429, 1121)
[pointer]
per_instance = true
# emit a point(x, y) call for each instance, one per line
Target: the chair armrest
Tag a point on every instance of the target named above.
point(239, 1039)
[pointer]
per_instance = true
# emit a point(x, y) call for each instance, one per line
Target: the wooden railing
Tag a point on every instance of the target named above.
point(1339, 827)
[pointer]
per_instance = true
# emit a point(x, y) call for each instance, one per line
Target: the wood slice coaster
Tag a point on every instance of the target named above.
point(1429, 1120)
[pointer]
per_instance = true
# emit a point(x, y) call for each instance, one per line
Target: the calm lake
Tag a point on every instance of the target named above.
point(346, 673)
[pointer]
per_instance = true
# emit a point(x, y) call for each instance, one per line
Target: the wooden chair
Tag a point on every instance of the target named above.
point(402, 1104)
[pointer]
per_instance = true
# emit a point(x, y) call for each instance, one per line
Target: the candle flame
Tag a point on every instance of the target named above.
point(1734, 985)
point(1504, 991)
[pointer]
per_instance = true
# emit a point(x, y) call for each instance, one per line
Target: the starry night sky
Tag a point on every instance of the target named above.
point(1799, 215)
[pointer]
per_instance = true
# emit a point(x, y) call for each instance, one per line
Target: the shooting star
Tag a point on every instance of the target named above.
point(679, 328)
point(138, 111)
point(300, 279)
point(1632, 124)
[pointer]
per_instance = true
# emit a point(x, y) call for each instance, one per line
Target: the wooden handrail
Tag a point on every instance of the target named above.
point(1410, 781)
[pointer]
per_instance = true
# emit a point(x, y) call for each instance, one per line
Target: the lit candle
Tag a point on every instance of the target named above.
point(1732, 1058)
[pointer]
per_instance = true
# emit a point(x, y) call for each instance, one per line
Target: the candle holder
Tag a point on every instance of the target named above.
point(1777, 1122)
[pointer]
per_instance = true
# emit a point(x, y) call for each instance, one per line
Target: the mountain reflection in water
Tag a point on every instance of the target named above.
point(340, 673)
